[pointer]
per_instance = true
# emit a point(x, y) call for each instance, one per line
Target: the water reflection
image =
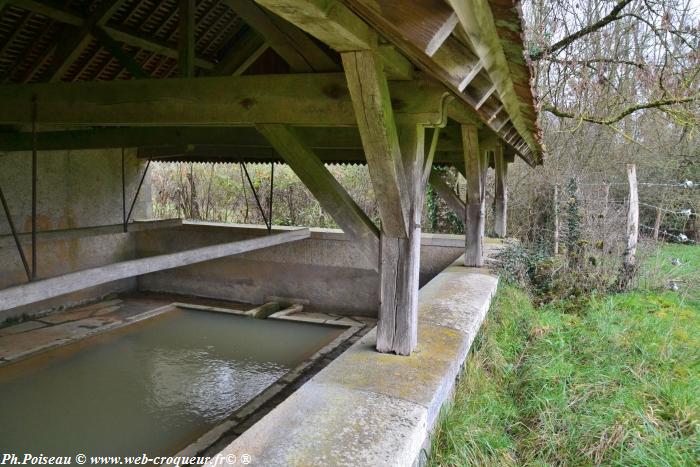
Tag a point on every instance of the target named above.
point(152, 387)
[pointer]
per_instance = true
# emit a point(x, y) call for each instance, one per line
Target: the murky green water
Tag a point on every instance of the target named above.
point(151, 387)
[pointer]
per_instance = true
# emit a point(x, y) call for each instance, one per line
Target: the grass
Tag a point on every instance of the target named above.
point(614, 380)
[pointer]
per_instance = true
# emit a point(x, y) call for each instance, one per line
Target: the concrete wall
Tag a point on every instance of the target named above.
point(327, 270)
point(75, 189)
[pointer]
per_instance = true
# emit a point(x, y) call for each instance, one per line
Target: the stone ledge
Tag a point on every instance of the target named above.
point(373, 409)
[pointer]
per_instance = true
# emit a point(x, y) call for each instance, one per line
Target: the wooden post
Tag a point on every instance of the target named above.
point(629, 260)
point(657, 224)
point(501, 193)
point(475, 164)
point(397, 330)
point(397, 168)
point(555, 207)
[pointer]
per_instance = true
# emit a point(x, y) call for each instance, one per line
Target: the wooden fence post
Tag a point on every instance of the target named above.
point(629, 256)
point(556, 219)
point(657, 224)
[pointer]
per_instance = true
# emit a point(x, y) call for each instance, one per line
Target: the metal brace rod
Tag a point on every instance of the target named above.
point(138, 190)
point(11, 223)
point(34, 183)
point(126, 228)
point(255, 194)
point(272, 186)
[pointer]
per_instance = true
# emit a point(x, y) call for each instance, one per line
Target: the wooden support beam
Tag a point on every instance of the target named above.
point(375, 118)
point(475, 164)
point(495, 114)
point(501, 192)
point(126, 60)
point(69, 51)
point(476, 69)
point(301, 53)
point(161, 141)
point(396, 66)
point(247, 49)
point(448, 195)
point(397, 329)
point(441, 34)
point(326, 189)
point(430, 153)
point(328, 20)
point(185, 36)
point(70, 234)
point(117, 32)
point(479, 25)
point(44, 289)
point(485, 97)
point(319, 99)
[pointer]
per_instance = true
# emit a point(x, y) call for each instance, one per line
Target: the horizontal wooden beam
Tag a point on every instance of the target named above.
point(161, 141)
point(70, 234)
point(117, 32)
point(328, 20)
point(44, 289)
point(320, 99)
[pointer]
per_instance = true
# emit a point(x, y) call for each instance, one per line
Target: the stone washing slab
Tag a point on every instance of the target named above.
point(372, 409)
point(322, 424)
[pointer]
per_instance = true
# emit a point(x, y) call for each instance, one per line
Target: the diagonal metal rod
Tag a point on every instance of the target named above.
point(272, 186)
point(138, 190)
point(11, 223)
point(255, 194)
point(34, 183)
point(126, 228)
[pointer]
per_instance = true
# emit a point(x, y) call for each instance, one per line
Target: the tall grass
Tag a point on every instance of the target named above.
point(613, 380)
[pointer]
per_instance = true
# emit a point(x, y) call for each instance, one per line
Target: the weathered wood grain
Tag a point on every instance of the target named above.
point(501, 192)
point(318, 99)
point(56, 286)
point(475, 165)
point(375, 119)
point(326, 189)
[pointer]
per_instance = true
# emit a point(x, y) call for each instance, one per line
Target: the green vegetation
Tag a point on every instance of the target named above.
point(610, 379)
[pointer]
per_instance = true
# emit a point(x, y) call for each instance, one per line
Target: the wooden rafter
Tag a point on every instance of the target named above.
point(117, 32)
point(74, 45)
point(477, 21)
point(296, 48)
point(246, 50)
point(186, 39)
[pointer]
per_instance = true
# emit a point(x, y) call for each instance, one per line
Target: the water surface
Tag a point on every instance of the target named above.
point(151, 387)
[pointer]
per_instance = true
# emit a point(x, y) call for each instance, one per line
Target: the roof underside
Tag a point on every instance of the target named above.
point(43, 41)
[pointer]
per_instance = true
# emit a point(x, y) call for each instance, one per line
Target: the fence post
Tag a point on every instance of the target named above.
point(629, 255)
point(657, 224)
point(556, 219)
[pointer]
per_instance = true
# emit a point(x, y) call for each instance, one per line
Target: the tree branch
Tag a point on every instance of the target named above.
point(628, 111)
point(604, 21)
